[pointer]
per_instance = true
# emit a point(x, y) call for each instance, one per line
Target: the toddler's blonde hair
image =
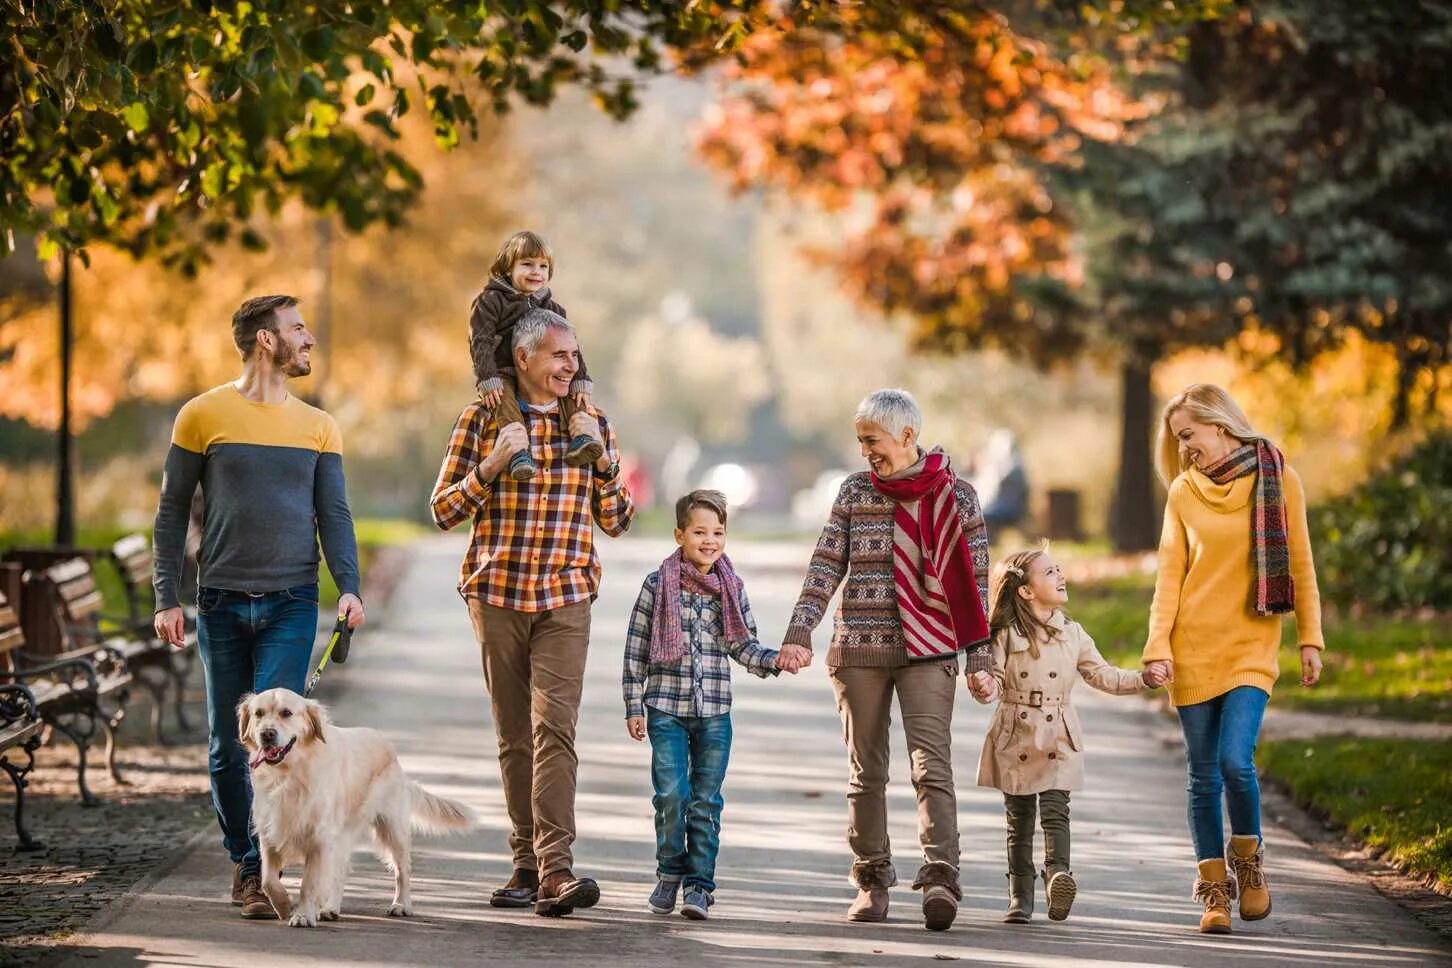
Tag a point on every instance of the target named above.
point(521, 245)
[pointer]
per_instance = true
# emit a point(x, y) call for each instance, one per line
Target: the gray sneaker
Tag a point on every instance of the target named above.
point(697, 905)
point(663, 898)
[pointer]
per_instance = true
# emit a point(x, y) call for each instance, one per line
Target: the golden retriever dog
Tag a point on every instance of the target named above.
point(316, 790)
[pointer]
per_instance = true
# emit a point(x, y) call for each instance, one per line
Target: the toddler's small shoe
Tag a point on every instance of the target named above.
point(584, 450)
point(663, 898)
point(522, 466)
point(697, 905)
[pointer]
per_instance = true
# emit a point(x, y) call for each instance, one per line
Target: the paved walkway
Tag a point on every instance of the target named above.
point(783, 866)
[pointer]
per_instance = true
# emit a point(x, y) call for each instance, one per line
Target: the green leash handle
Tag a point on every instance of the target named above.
point(337, 651)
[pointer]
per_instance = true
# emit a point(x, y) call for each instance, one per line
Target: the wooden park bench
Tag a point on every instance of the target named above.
point(20, 734)
point(80, 678)
point(165, 667)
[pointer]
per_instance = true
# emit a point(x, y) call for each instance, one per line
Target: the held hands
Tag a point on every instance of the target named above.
point(1158, 673)
point(1310, 665)
point(170, 627)
point(793, 658)
point(635, 726)
point(492, 399)
point(581, 399)
point(983, 687)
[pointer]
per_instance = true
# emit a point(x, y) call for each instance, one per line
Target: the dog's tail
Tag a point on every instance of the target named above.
point(433, 814)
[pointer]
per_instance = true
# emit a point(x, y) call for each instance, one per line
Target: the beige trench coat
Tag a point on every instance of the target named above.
point(1035, 742)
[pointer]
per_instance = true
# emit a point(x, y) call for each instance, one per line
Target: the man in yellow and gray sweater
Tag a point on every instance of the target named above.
point(271, 472)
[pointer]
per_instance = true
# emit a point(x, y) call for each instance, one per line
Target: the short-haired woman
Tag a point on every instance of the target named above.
point(1234, 556)
point(907, 537)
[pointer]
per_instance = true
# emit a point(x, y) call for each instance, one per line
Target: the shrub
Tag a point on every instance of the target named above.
point(1387, 545)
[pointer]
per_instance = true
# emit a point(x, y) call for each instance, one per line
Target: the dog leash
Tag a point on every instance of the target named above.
point(337, 651)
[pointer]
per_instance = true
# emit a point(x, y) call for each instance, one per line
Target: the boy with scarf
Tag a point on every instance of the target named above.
point(691, 617)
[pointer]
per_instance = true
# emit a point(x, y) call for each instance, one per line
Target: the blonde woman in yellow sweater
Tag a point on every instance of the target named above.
point(1234, 556)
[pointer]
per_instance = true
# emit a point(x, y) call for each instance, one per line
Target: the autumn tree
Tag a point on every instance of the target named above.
point(163, 126)
point(1036, 195)
point(944, 154)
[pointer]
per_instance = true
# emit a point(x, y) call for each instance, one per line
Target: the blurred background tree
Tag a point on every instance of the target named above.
point(1035, 194)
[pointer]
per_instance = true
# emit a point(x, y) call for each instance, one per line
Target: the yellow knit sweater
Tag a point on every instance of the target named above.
point(1202, 617)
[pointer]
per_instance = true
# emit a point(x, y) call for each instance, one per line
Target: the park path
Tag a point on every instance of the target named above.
point(783, 866)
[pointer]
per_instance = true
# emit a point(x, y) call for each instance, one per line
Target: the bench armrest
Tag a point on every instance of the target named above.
point(17, 703)
point(46, 670)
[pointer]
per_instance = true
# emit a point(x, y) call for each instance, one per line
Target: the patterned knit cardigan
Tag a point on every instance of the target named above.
point(856, 544)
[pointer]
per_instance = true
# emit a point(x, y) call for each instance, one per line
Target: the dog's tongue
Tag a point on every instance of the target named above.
point(263, 754)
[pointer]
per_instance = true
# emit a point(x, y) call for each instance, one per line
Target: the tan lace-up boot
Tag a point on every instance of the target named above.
point(1215, 889)
point(1246, 858)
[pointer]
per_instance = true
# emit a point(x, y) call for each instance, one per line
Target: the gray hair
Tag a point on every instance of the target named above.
point(892, 410)
point(533, 325)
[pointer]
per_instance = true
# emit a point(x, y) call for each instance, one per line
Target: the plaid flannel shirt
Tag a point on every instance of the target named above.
point(699, 683)
point(533, 544)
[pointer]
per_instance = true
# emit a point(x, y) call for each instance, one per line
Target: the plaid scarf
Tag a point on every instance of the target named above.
point(667, 639)
point(938, 603)
point(1274, 591)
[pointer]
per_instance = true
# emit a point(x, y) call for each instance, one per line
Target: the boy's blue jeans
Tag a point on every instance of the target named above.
point(687, 767)
point(248, 643)
point(1220, 740)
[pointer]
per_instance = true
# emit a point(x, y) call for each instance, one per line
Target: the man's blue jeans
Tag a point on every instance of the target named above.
point(687, 766)
point(248, 643)
point(1220, 740)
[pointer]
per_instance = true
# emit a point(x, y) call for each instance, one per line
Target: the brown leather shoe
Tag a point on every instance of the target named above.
point(236, 885)
point(521, 891)
point(871, 905)
point(255, 905)
point(561, 892)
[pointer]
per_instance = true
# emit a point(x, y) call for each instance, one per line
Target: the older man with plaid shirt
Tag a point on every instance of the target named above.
point(529, 578)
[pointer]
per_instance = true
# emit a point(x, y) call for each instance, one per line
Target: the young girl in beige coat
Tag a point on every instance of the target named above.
point(1033, 752)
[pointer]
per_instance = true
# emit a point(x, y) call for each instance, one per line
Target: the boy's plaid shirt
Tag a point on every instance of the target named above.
point(699, 683)
point(533, 546)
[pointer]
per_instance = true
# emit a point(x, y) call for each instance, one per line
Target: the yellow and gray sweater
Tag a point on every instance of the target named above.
point(272, 480)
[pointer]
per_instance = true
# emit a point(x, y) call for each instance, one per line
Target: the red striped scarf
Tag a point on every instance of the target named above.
point(667, 638)
point(937, 596)
point(1273, 591)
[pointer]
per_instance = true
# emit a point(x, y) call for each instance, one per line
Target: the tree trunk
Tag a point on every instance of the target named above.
point(65, 503)
point(1134, 516)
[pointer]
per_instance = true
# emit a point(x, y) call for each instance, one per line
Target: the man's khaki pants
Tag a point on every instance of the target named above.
point(925, 693)
point(534, 669)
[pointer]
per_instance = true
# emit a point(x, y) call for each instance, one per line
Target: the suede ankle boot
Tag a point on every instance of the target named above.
point(1215, 890)
point(1246, 857)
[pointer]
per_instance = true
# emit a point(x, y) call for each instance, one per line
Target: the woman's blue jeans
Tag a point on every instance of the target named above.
point(688, 758)
point(248, 643)
point(1220, 738)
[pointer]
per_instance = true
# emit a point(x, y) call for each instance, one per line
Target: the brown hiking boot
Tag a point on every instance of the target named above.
point(1245, 858)
point(560, 892)
point(1215, 890)
point(871, 905)
point(236, 885)
point(255, 905)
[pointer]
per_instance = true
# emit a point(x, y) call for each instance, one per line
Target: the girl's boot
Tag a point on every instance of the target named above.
point(1215, 890)
point(1060, 890)
point(1246, 856)
point(1059, 886)
point(1020, 898)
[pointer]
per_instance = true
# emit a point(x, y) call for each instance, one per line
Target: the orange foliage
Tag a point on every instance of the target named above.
point(939, 146)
